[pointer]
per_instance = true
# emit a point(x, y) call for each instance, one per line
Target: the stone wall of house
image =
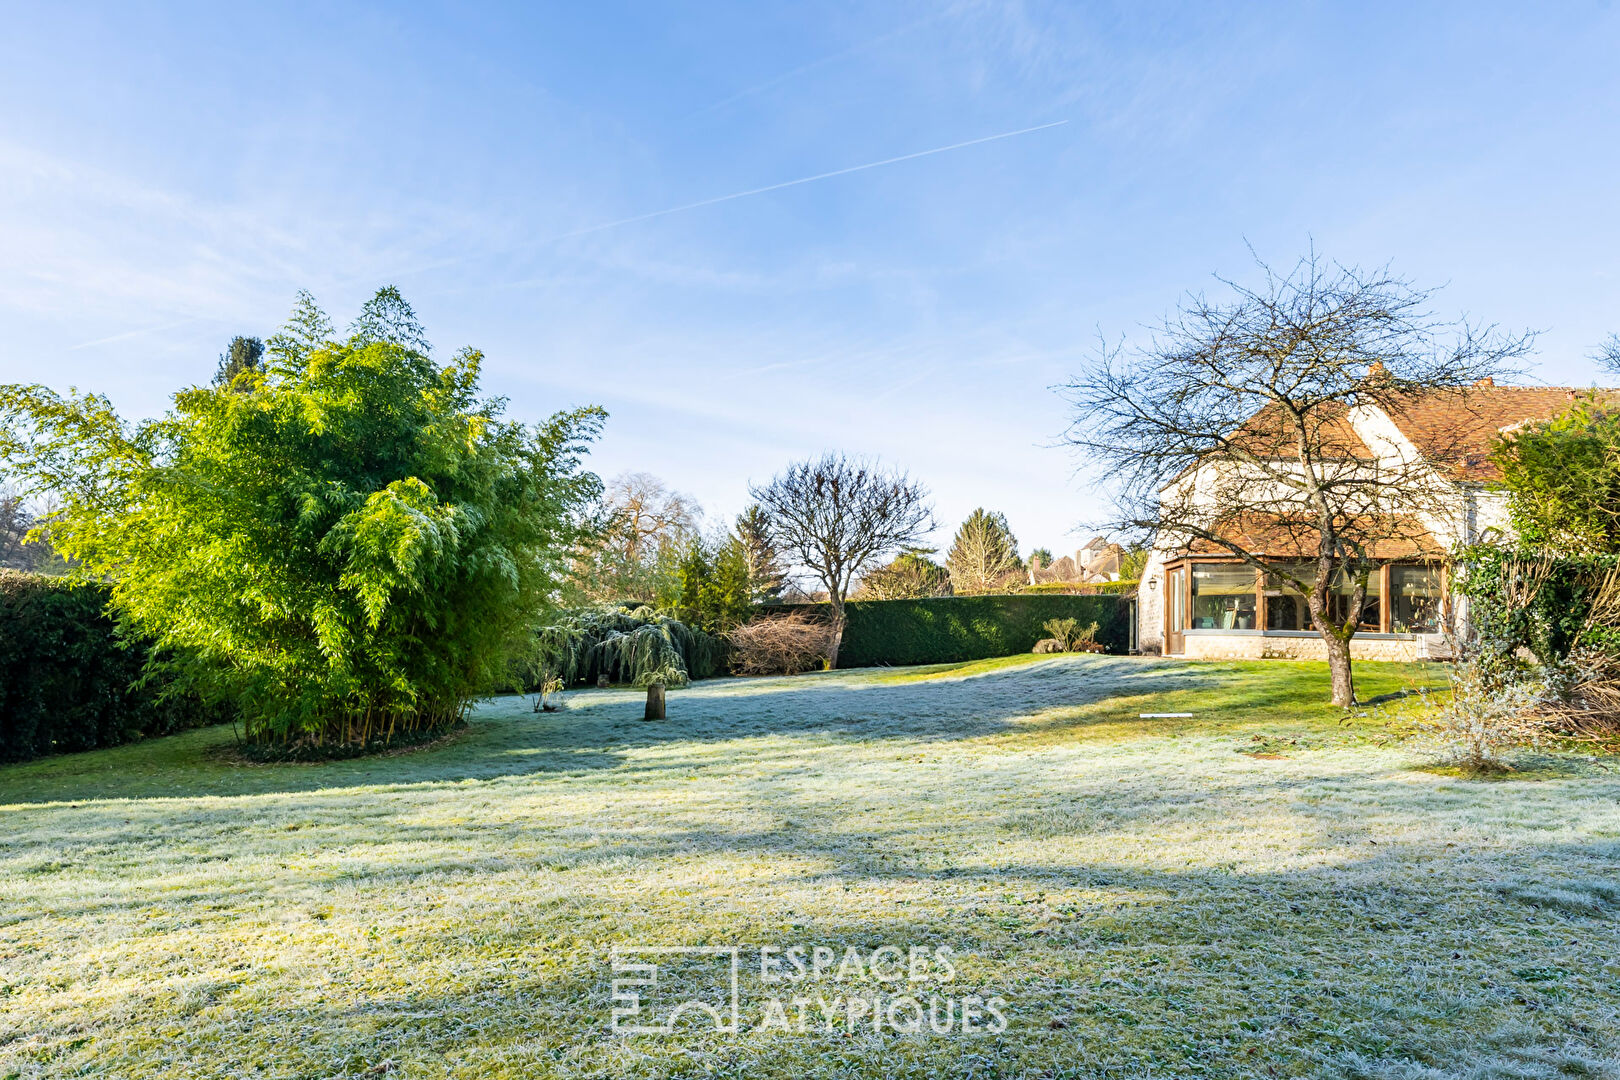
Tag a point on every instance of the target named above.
point(1311, 647)
point(1150, 607)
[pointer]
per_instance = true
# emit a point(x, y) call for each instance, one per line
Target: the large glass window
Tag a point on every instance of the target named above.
point(1222, 597)
point(1343, 592)
point(1415, 598)
point(1286, 609)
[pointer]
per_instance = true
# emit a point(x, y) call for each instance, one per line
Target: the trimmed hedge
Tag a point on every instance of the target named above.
point(946, 629)
point(1071, 588)
point(66, 683)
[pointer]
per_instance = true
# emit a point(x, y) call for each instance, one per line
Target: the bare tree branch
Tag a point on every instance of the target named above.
point(837, 516)
point(1230, 431)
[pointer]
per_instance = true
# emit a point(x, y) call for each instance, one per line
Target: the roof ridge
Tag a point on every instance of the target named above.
point(1513, 386)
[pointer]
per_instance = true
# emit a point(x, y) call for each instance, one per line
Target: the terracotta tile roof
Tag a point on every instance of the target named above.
point(1268, 434)
point(1458, 427)
point(1397, 538)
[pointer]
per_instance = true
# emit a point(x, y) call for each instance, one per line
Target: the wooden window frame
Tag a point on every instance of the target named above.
point(1262, 618)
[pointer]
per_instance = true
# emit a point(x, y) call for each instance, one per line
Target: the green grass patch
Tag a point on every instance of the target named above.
point(1267, 888)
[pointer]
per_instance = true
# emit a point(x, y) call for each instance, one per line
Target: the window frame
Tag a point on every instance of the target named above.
point(1381, 581)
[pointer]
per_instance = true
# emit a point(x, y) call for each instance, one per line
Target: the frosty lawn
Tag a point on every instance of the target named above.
point(1262, 890)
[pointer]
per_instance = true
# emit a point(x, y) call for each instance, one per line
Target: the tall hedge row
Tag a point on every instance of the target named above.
point(950, 628)
point(1126, 587)
point(65, 682)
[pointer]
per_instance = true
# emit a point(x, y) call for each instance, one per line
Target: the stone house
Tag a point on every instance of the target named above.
point(1199, 601)
point(1097, 561)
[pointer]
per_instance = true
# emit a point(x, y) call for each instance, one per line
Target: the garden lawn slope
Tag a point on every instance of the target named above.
point(1265, 889)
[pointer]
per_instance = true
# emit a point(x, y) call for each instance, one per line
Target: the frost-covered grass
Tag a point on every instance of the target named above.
point(1266, 889)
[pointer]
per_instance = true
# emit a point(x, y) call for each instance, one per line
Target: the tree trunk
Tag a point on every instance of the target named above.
point(837, 637)
point(1336, 639)
point(655, 702)
point(1338, 654)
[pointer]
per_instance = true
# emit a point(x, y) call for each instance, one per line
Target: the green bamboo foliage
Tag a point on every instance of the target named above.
point(342, 546)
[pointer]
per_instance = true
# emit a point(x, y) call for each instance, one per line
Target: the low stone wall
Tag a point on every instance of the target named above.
point(1257, 646)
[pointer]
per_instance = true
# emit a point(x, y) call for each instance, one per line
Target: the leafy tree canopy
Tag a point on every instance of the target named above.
point(983, 553)
point(1563, 479)
point(715, 588)
point(767, 578)
point(911, 576)
point(242, 355)
point(345, 541)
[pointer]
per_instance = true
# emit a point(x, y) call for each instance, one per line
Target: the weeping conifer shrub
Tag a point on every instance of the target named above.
point(344, 544)
point(637, 645)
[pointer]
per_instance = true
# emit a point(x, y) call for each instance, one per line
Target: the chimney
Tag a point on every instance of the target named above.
point(1377, 370)
point(1486, 381)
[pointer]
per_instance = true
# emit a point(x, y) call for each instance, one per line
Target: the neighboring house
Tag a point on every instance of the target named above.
point(1198, 600)
point(1099, 560)
point(1094, 563)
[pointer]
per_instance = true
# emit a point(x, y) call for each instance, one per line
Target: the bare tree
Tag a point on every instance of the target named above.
point(983, 553)
point(1608, 354)
point(836, 517)
point(1229, 433)
point(16, 519)
point(647, 513)
point(643, 529)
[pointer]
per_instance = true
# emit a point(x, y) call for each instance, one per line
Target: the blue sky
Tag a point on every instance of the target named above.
point(170, 174)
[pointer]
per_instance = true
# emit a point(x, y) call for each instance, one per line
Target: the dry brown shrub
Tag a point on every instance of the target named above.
point(1585, 703)
point(1575, 697)
point(781, 645)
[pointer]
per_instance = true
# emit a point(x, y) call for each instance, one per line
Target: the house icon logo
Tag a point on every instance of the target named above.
point(660, 990)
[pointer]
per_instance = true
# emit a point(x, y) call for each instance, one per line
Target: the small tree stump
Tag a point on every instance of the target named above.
point(655, 702)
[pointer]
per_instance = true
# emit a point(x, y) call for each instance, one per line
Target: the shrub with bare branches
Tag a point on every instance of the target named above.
point(781, 645)
point(1585, 683)
point(1534, 606)
point(1585, 703)
point(1068, 636)
point(1487, 715)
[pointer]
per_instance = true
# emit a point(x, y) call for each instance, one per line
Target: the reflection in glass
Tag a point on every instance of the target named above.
point(1223, 597)
point(1415, 596)
point(1286, 609)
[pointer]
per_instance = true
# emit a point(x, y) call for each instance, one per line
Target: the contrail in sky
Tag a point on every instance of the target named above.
point(807, 180)
point(813, 65)
point(133, 333)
